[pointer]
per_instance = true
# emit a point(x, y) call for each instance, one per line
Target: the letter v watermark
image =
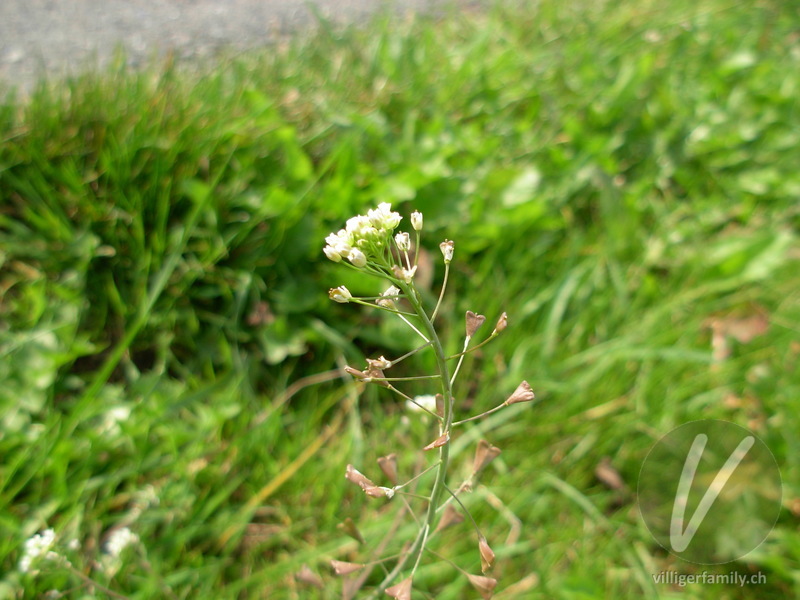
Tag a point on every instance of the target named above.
point(678, 537)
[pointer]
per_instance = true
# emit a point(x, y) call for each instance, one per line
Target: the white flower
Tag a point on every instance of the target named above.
point(447, 247)
point(389, 301)
point(331, 253)
point(421, 403)
point(357, 257)
point(403, 241)
point(383, 217)
point(416, 220)
point(37, 547)
point(119, 540)
point(340, 294)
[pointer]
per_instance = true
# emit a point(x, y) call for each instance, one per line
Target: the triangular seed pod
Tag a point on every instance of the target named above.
point(484, 585)
point(345, 568)
point(401, 591)
point(388, 465)
point(473, 321)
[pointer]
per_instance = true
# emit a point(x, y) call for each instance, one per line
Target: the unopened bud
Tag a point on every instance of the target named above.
point(484, 454)
point(388, 465)
point(401, 591)
point(348, 527)
point(523, 393)
point(473, 321)
point(447, 248)
point(487, 555)
point(345, 568)
point(438, 442)
point(403, 241)
point(502, 323)
point(416, 220)
point(340, 294)
point(484, 585)
point(357, 257)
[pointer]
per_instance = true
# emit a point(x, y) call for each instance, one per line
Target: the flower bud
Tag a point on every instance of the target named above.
point(357, 257)
point(340, 294)
point(331, 253)
point(447, 248)
point(523, 393)
point(416, 220)
point(473, 321)
point(502, 323)
point(403, 241)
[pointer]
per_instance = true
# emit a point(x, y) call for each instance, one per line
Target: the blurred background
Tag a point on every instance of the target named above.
point(620, 178)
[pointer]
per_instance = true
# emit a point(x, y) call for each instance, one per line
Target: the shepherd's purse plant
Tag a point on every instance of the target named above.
point(370, 244)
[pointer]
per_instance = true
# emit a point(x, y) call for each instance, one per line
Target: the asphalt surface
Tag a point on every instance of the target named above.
point(54, 38)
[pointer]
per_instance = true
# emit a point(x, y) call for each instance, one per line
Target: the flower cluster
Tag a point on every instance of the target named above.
point(36, 547)
point(363, 236)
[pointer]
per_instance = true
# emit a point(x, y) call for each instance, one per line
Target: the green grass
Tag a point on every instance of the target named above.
point(614, 176)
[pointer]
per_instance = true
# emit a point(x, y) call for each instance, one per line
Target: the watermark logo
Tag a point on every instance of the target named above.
point(710, 491)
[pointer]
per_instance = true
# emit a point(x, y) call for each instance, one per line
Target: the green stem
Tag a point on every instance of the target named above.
point(439, 484)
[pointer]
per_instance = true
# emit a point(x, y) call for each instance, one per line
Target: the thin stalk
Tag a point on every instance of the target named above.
point(441, 293)
point(483, 343)
point(410, 399)
point(407, 354)
point(418, 546)
point(480, 416)
point(460, 360)
point(410, 324)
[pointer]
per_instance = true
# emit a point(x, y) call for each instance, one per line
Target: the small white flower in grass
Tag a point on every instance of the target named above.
point(340, 294)
point(403, 241)
point(119, 540)
point(416, 220)
point(421, 403)
point(38, 547)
